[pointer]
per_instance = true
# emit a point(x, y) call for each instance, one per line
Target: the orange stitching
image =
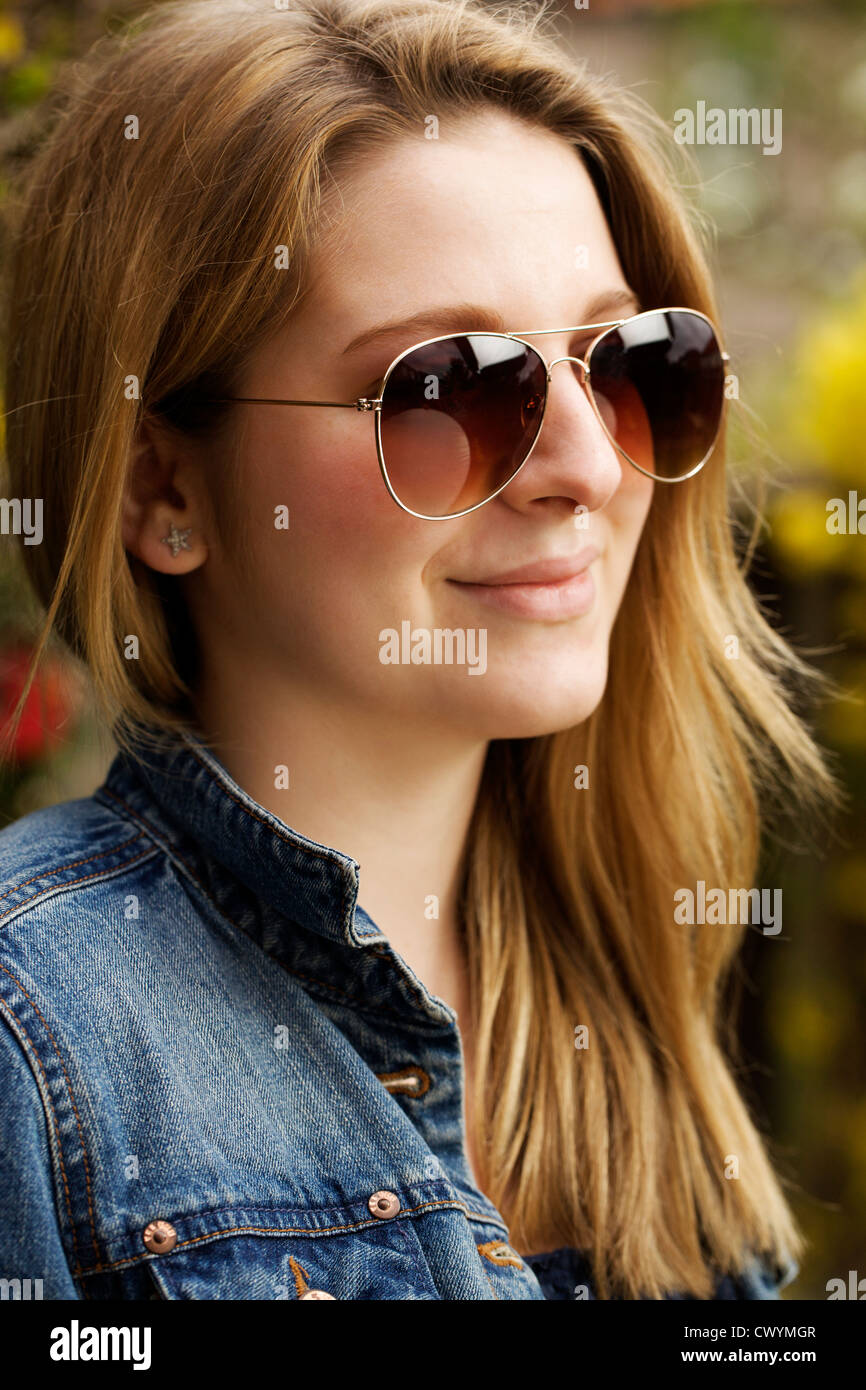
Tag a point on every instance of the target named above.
point(102, 1267)
point(301, 1276)
point(74, 865)
point(273, 1231)
point(4, 1005)
point(172, 853)
point(38, 1013)
point(70, 883)
point(499, 1253)
point(254, 815)
point(391, 1080)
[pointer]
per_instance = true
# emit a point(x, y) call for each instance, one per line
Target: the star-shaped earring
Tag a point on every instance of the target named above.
point(177, 539)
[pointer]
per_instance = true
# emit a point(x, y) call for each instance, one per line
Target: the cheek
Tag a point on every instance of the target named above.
point(323, 467)
point(626, 516)
point(348, 545)
point(629, 508)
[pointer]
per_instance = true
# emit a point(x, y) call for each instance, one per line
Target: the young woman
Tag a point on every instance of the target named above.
point(368, 365)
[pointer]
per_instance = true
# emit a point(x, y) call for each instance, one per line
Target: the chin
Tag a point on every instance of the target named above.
point(545, 706)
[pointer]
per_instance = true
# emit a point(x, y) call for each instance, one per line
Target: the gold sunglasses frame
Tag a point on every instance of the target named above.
point(364, 403)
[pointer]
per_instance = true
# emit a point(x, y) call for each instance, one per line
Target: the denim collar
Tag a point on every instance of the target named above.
point(178, 782)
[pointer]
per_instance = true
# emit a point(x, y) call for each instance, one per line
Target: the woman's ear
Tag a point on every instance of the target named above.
point(163, 520)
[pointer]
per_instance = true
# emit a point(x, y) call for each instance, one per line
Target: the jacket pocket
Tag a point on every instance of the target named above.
point(383, 1262)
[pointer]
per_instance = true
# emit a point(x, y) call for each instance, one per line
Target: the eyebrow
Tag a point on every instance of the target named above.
point(477, 318)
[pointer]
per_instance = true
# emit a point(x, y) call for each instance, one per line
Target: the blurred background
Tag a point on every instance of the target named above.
point(790, 233)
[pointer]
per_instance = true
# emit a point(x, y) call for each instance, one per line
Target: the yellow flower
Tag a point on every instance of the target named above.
point(799, 535)
point(825, 399)
point(11, 39)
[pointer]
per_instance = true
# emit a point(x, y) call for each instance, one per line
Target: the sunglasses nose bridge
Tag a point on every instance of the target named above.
point(584, 369)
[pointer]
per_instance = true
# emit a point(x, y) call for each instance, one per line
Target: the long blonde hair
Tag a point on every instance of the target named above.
point(148, 258)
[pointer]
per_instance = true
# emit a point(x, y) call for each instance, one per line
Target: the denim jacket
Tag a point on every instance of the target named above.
point(218, 1080)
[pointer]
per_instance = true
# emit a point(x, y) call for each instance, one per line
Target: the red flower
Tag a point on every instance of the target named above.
point(50, 703)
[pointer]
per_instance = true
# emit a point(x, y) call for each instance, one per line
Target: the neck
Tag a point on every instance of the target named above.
point(396, 797)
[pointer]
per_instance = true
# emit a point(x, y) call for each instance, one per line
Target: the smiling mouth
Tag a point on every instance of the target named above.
point(552, 590)
point(550, 571)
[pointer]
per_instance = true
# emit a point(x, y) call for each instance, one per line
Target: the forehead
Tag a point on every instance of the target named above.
point(493, 210)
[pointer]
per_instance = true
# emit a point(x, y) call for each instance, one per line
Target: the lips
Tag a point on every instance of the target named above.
point(551, 570)
point(555, 589)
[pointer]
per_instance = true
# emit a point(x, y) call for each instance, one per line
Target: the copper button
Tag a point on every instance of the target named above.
point(384, 1204)
point(318, 1293)
point(160, 1237)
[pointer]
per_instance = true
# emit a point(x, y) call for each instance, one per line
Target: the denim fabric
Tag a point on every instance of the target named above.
point(565, 1273)
point(200, 1025)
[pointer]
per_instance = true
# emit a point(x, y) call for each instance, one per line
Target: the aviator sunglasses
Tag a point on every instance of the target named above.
point(456, 417)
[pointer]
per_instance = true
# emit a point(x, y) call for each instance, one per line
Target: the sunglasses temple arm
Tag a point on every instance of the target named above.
point(361, 404)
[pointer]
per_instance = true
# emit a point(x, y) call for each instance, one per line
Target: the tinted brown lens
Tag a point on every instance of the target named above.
point(458, 417)
point(658, 382)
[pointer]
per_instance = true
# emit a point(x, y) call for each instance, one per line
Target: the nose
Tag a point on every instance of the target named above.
point(574, 459)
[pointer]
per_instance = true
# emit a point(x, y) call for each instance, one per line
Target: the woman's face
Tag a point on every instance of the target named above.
point(493, 214)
